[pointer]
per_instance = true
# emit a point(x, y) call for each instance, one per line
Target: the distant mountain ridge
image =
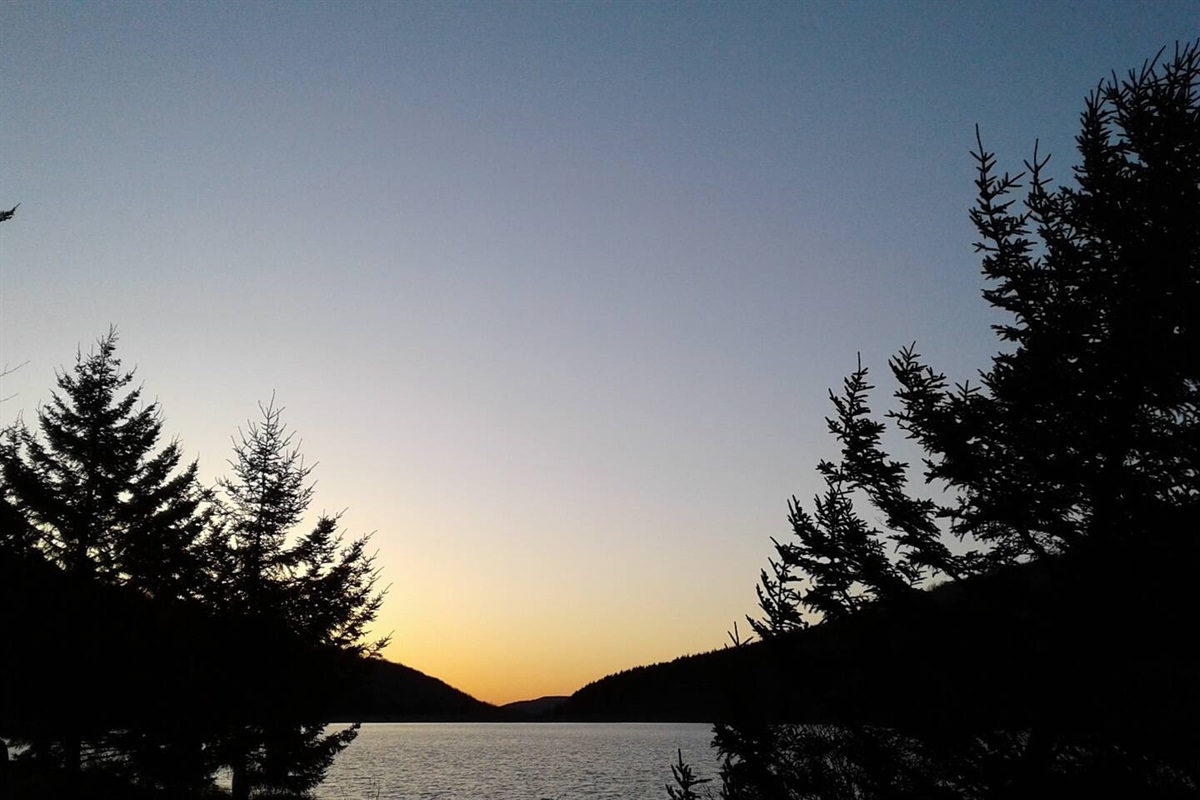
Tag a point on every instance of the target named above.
point(1088, 643)
point(383, 691)
point(540, 708)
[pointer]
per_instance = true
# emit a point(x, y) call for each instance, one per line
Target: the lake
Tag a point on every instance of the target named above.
point(516, 761)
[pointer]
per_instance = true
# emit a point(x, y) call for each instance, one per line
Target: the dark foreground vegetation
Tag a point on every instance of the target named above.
point(181, 662)
point(157, 631)
point(1038, 646)
point(1041, 643)
point(1061, 515)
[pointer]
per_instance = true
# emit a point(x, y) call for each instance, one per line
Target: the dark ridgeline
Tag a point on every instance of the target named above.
point(156, 630)
point(382, 691)
point(542, 708)
point(1058, 659)
point(1030, 643)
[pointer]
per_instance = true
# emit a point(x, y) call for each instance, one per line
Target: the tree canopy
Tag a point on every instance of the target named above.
point(1083, 434)
point(205, 604)
point(313, 584)
point(92, 491)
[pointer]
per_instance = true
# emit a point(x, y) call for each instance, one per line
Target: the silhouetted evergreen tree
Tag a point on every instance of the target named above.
point(315, 585)
point(1088, 427)
point(1084, 433)
point(18, 537)
point(91, 491)
point(779, 600)
point(845, 561)
point(686, 781)
point(123, 536)
point(97, 496)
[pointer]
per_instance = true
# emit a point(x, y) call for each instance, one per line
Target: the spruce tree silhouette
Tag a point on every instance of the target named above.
point(90, 491)
point(204, 630)
point(97, 497)
point(315, 585)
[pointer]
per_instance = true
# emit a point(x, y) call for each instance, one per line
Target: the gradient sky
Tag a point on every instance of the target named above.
point(552, 292)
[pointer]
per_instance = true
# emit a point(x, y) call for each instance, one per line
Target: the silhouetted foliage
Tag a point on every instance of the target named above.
point(88, 490)
point(316, 585)
point(1087, 428)
point(202, 633)
point(1083, 436)
point(92, 492)
point(322, 586)
point(685, 779)
point(844, 560)
point(1021, 645)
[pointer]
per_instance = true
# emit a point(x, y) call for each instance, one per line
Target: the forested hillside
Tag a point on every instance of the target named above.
point(1041, 644)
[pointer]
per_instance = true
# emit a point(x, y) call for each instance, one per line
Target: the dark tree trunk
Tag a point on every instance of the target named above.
point(240, 787)
point(72, 754)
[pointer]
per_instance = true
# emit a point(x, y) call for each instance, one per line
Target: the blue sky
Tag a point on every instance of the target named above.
point(553, 292)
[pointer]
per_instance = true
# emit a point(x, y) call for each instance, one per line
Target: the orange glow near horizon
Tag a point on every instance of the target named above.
point(514, 636)
point(515, 610)
point(497, 674)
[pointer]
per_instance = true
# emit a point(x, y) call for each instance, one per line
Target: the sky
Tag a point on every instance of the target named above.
point(552, 293)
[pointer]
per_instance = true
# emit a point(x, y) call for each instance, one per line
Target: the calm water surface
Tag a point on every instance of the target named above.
point(514, 761)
